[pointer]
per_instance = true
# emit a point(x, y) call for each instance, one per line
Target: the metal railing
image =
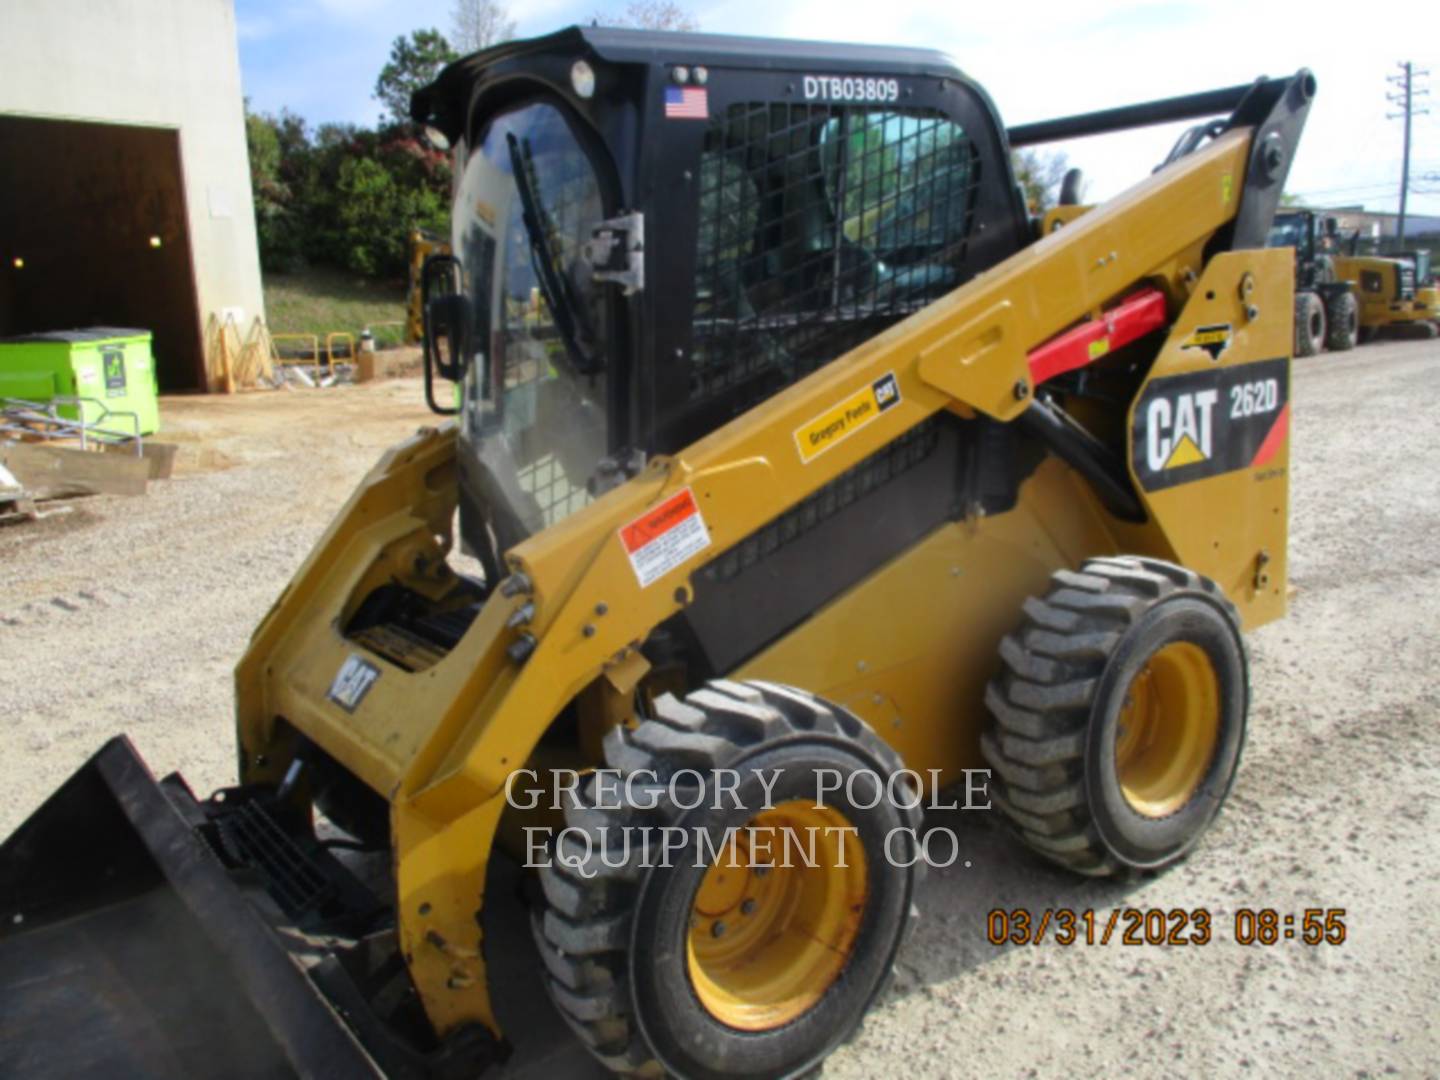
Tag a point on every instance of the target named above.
point(42, 420)
point(312, 339)
point(331, 338)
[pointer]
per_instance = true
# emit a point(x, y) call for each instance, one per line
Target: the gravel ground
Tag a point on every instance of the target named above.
point(127, 615)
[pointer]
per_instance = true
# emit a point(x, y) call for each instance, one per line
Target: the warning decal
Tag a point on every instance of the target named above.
point(114, 361)
point(1213, 339)
point(837, 424)
point(665, 537)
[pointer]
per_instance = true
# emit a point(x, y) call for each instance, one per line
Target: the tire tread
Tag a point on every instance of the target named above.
point(1040, 701)
point(584, 934)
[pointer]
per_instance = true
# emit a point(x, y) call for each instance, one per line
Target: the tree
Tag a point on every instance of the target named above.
point(385, 185)
point(1039, 175)
point(276, 227)
point(478, 24)
point(343, 195)
point(414, 62)
point(650, 15)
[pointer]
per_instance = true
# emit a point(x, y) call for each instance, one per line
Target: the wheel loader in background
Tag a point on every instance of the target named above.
point(1327, 314)
point(1389, 288)
point(1386, 288)
point(814, 461)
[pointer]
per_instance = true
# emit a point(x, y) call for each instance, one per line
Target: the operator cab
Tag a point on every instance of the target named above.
point(655, 232)
point(1295, 229)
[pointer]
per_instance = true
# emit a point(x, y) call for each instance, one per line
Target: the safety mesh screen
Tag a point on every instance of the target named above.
point(819, 225)
point(904, 453)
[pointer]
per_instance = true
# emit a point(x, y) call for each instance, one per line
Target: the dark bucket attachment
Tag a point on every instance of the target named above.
point(126, 948)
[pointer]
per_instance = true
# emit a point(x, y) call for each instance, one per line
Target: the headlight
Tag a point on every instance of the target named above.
point(582, 78)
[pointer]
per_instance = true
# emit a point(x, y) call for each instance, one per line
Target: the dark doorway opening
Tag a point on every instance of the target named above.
point(94, 232)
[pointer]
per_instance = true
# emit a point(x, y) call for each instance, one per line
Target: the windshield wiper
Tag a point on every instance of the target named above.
point(554, 285)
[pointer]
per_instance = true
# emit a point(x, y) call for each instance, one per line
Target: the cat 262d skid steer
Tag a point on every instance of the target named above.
point(788, 460)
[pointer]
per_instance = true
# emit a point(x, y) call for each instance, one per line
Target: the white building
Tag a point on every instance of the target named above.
point(124, 179)
point(1380, 225)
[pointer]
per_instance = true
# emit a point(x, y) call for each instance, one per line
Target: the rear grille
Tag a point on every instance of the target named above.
point(818, 227)
point(1407, 282)
point(809, 514)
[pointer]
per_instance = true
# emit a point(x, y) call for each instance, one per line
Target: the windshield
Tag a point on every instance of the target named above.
point(1288, 231)
point(535, 409)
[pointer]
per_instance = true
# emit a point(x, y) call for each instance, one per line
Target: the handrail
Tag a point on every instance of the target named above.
point(20, 416)
point(330, 339)
point(313, 339)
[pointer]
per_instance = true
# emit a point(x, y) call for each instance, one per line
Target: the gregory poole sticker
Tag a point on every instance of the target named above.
point(839, 422)
point(664, 537)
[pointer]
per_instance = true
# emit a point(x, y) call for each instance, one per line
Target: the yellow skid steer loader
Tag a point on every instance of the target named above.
point(792, 474)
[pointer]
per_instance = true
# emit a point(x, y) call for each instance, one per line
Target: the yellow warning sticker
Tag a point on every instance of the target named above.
point(836, 424)
point(1214, 339)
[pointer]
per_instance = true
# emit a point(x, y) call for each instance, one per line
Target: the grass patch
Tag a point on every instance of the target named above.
point(320, 299)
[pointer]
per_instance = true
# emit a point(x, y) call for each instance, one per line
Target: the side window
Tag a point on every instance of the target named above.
point(818, 227)
point(898, 183)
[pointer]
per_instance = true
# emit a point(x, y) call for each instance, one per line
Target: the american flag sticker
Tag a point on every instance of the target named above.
point(687, 103)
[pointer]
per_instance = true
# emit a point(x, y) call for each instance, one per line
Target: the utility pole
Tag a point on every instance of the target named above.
point(1405, 98)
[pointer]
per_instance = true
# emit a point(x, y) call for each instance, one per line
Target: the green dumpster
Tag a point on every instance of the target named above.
point(109, 368)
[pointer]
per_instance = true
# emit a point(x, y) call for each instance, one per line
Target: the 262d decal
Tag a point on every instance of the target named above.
point(1191, 427)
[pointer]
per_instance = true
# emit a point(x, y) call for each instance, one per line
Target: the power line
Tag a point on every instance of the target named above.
point(1405, 98)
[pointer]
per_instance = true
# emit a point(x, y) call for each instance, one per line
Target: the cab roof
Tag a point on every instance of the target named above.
point(621, 46)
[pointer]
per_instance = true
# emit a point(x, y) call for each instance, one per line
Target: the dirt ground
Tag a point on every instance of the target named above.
point(128, 614)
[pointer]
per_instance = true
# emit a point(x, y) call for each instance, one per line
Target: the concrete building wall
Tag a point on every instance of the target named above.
point(164, 63)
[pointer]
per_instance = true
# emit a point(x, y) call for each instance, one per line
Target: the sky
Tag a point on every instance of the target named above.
point(1037, 60)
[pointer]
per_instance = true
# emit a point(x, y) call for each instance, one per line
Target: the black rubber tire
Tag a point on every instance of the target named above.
point(1342, 322)
point(614, 944)
point(1309, 324)
point(1054, 706)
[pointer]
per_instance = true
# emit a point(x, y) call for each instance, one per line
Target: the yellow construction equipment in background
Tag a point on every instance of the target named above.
point(422, 246)
point(1386, 288)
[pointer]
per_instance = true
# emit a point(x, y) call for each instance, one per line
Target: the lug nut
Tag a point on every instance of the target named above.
point(515, 584)
point(717, 929)
point(747, 908)
point(520, 649)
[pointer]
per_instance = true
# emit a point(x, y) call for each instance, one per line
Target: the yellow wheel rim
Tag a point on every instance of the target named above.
point(1168, 729)
point(776, 916)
